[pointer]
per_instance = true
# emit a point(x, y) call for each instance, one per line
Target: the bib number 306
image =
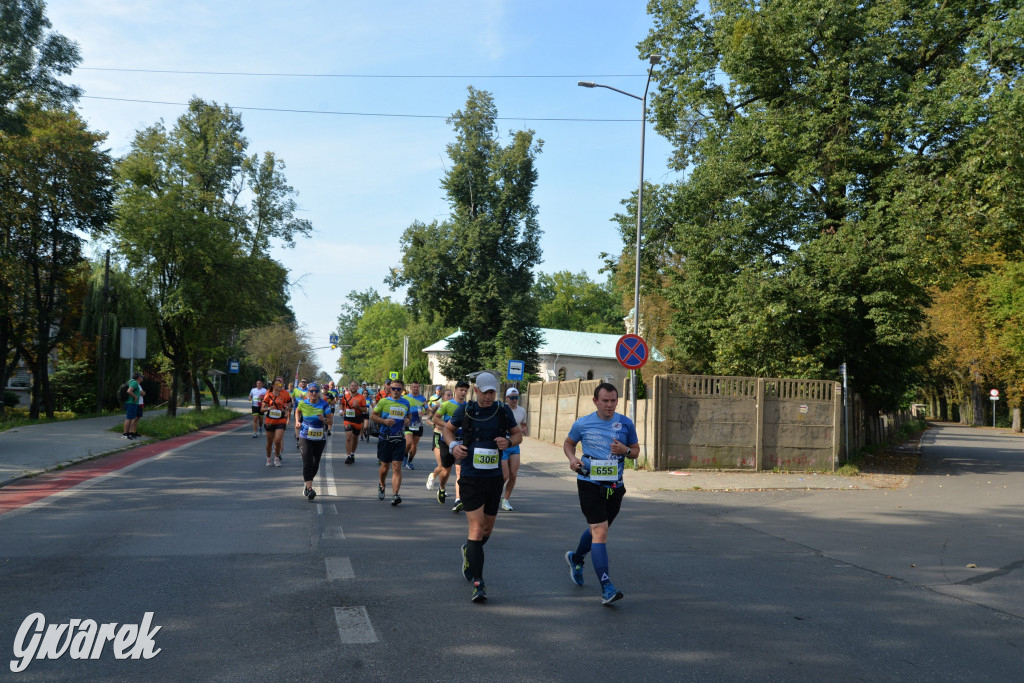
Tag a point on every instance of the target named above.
point(486, 458)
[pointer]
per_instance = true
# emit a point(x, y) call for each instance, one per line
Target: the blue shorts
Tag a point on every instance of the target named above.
point(511, 450)
point(131, 411)
point(390, 451)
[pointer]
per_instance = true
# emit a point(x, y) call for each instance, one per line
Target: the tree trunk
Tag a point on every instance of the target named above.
point(172, 404)
point(213, 391)
point(195, 388)
point(1016, 420)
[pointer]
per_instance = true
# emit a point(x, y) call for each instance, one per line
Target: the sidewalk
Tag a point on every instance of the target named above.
point(32, 450)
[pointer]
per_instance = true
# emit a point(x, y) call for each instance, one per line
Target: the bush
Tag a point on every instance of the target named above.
point(10, 399)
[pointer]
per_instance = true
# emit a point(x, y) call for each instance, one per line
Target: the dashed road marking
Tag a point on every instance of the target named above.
point(354, 625)
point(334, 532)
point(339, 568)
point(329, 509)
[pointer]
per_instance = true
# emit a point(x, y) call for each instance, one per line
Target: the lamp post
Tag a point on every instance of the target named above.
point(654, 59)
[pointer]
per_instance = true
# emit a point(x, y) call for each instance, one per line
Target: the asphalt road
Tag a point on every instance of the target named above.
point(249, 581)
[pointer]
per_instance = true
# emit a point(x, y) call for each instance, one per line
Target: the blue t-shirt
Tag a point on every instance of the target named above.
point(313, 413)
point(417, 406)
point(596, 436)
point(483, 426)
point(396, 408)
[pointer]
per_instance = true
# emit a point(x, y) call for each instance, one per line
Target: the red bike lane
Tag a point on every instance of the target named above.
point(24, 492)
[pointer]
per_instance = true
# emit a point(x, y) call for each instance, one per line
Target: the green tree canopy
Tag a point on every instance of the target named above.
point(819, 141)
point(572, 301)
point(474, 270)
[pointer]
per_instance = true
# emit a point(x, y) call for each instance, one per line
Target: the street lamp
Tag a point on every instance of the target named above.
point(654, 59)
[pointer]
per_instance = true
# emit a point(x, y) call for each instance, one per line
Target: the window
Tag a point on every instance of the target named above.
point(561, 374)
point(590, 374)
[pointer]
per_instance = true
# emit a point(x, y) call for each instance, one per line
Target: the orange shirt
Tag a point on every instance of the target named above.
point(278, 401)
point(357, 404)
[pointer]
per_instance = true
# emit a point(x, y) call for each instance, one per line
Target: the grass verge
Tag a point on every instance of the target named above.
point(900, 456)
point(164, 427)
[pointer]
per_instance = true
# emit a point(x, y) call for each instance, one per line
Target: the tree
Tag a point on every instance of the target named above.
point(820, 142)
point(277, 348)
point(377, 342)
point(55, 188)
point(184, 231)
point(32, 60)
point(351, 312)
point(572, 301)
point(475, 268)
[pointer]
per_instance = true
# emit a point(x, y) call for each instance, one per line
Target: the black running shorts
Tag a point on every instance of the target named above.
point(477, 492)
point(599, 503)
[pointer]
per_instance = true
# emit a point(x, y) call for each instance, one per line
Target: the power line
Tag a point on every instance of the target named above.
point(301, 75)
point(359, 113)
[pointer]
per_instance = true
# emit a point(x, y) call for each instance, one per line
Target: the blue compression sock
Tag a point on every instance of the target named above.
point(600, 558)
point(584, 547)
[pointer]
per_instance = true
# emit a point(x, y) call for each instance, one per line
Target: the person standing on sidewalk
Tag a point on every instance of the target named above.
point(256, 395)
point(510, 456)
point(608, 438)
point(488, 427)
point(131, 407)
point(392, 414)
point(312, 421)
point(275, 406)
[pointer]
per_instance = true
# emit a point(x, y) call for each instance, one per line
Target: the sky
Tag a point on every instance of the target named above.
point(369, 85)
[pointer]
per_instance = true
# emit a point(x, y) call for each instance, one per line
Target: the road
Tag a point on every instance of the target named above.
point(249, 581)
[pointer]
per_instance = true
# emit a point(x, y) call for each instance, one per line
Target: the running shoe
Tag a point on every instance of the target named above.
point(277, 462)
point(350, 459)
point(458, 506)
point(441, 496)
point(126, 437)
point(575, 570)
point(395, 500)
point(409, 466)
point(380, 492)
point(506, 506)
point(479, 592)
point(268, 462)
point(311, 494)
point(465, 565)
point(254, 435)
point(328, 432)
point(609, 594)
point(430, 482)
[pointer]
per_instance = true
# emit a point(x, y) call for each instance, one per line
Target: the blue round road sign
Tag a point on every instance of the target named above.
point(631, 351)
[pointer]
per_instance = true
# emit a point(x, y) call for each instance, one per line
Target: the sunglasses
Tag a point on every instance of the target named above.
point(513, 398)
point(396, 388)
point(313, 391)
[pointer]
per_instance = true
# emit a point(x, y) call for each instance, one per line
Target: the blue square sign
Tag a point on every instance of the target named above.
point(515, 370)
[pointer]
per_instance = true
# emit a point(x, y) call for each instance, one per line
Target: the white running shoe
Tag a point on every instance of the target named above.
point(430, 482)
point(506, 506)
point(277, 462)
point(268, 462)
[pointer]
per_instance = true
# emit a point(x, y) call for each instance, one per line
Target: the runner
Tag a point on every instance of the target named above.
point(510, 456)
point(488, 428)
point(364, 391)
point(443, 453)
point(353, 407)
point(256, 395)
point(275, 406)
point(312, 420)
point(608, 439)
point(417, 411)
point(391, 440)
point(298, 394)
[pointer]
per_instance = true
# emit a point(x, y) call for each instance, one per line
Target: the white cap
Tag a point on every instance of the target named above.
point(485, 381)
point(512, 391)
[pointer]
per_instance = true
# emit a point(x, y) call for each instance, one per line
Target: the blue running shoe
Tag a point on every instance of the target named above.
point(479, 592)
point(609, 594)
point(575, 570)
point(465, 565)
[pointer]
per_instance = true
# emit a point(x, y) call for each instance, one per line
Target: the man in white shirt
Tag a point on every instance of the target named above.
point(256, 395)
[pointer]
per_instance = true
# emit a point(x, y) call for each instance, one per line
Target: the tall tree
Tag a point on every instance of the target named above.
point(55, 188)
point(377, 342)
point(819, 141)
point(32, 61)
point(277, 348)
point(475, 268)
point(351, 311)
point(572, 301)
point(196, 250)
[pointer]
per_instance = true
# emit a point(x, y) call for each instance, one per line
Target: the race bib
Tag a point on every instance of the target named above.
point(255, 401)
point(486, 458)
point(275, 414)
point(604, 470)
point(397, 412)
point(315, 434)
point(350, 412)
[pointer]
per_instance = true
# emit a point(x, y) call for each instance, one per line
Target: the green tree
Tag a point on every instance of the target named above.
point(32, 61)
point(55, 188)
point(572, 301)
point(351, 312)
point(277, 348)
point(195, 249)
point(819, 142)
point(377, 342)
point(474, 270)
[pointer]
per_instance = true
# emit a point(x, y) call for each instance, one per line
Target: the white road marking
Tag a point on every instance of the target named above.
point(354, 625)
point(334, 532)
point(328, 468)
point(329, 509)
point(339, 568)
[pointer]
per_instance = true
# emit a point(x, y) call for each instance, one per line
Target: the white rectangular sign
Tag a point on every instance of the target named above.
point(133, 342)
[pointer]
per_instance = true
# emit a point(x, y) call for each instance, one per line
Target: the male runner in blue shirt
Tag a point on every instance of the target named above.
point(608, 438)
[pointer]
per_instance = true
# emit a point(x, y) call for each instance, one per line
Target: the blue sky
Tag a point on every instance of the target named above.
point(363, 179)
